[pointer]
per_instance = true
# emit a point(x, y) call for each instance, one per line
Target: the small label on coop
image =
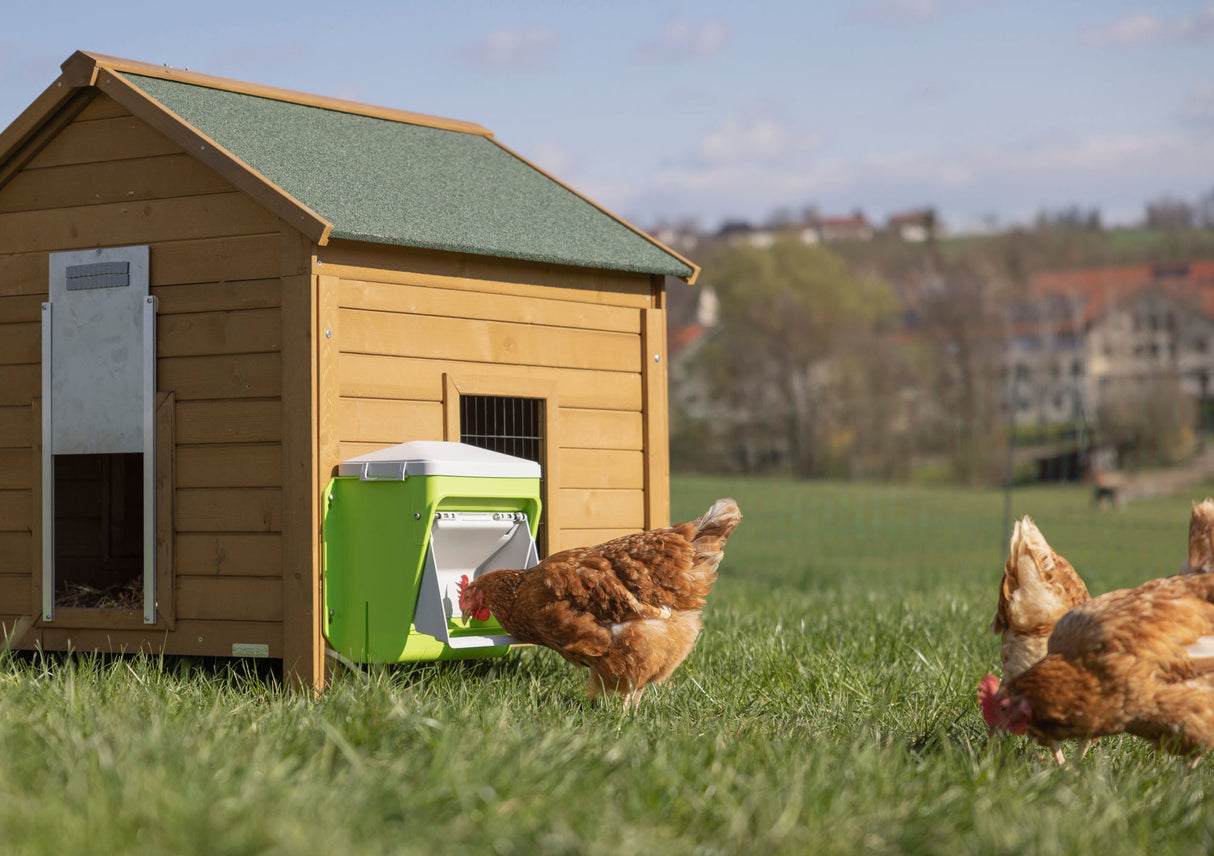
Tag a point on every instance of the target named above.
point(250, 649)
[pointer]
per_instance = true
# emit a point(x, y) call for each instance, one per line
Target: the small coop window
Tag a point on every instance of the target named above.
point(512, 426)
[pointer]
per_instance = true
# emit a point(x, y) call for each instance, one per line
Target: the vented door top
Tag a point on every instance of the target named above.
point(436, 458)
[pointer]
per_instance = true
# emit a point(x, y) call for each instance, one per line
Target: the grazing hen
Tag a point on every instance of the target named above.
point(1136, 661)
point(629, 609)
point(1201, 539)
point(1039, 586)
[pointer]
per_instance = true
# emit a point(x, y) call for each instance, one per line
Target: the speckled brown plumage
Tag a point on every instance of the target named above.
point(629, 609)
point(1138, 661)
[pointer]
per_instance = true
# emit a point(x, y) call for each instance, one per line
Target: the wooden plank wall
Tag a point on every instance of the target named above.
point(398, 331)
point(108, 179)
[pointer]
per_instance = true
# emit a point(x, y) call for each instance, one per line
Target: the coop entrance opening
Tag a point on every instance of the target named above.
point(98, 433)
point(99, 531)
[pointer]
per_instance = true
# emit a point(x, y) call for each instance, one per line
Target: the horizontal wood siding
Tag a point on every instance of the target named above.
point(398, 333)
point(239, 554)
point(198, 638)
point(14, 589)
point(16, 469)
point(109, 179)
point(354, 261)
point(379, 376)
point(15, 546)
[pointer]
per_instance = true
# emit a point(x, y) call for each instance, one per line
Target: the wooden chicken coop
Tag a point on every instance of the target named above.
point(213, 292)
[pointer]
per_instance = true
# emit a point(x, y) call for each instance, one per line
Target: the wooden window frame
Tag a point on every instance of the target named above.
point(456, 385)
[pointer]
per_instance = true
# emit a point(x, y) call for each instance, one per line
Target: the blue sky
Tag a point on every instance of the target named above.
point(712, 110)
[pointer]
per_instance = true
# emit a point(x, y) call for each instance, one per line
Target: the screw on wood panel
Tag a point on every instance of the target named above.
point(657, 358)
point(417, 515)
point(328, 334)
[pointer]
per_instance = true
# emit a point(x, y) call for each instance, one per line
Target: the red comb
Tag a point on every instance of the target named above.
point(988, 688)
point(462, 584)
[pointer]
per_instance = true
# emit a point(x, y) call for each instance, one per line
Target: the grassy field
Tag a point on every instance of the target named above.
point(827, 709)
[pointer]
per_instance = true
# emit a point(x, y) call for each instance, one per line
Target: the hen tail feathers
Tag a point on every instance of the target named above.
point(1201, 539)
point(718, 521)
point(1038, 584)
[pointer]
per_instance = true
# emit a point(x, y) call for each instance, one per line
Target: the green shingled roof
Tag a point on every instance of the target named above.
point(393, 182)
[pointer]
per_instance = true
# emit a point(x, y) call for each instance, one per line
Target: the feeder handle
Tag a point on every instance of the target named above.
point(392, 471)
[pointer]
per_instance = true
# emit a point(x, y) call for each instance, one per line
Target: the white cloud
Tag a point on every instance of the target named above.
point(762, 138)
point(906, 12)
point(683, 39)
point(1114, 174)
point(1143, 28)
point(552, 158)
point(1135, 30)
point(513, 49)
point(1092, 154)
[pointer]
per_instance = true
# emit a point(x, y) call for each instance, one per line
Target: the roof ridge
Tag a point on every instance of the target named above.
point(87, 65)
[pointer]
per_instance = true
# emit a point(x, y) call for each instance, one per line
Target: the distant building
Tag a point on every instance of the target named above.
point(914, 227)
point(853, 228)
point(739, 232)
point(1089, 337)
point(684, 238)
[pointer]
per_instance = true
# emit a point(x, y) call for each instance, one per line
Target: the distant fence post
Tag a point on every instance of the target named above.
point(1009, 473)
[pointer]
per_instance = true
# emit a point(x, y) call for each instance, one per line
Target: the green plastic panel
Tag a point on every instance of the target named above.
point(375, 538)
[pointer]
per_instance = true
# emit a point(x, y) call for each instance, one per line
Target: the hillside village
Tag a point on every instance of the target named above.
point(1085, 351)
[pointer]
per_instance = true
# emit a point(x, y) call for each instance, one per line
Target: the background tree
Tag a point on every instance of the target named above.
point(796, 333)
point(963, 315)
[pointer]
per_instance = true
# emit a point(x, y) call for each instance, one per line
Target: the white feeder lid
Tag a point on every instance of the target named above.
point(436, 458)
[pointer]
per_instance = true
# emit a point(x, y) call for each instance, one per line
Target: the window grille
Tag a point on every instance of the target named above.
point(512, 426)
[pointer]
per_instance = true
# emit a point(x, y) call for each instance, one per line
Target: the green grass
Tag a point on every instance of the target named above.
point(827, 709)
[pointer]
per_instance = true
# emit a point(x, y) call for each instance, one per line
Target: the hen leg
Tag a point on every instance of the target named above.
point(1084, 745)
point(595, 685)
point(1056, 748)
point(633, 699)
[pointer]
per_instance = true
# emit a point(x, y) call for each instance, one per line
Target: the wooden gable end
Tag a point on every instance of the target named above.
point(220, 265)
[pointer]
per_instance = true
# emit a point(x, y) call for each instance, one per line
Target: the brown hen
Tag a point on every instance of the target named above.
point(629, 609)
point(1136, 661)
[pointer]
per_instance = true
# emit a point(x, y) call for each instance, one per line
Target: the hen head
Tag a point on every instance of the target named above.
point(471, 601)
point(1001, 712)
